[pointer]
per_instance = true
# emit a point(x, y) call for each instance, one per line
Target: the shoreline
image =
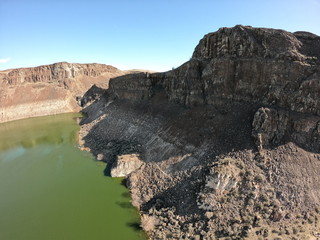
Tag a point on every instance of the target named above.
point(170, 191)
point(83, 131)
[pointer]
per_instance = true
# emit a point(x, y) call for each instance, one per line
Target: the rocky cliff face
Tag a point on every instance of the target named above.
point(56, 72)
point(269, 67)
point(230, 139)
point(48, 89)
point(272, 67)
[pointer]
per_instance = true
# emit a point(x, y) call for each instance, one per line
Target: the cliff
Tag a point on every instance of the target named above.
point(269, 67)
point(49, 89)
point(272, 67)
point(230, 139)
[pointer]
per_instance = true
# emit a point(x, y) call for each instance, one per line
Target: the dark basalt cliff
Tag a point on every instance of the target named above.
point(230, 139)
point(269, 66)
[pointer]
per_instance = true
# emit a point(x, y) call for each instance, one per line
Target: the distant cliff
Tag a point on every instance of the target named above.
point(49, 89)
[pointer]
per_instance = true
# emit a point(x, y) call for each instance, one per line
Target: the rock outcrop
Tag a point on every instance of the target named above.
point(273, 127)
point(229, 140)
point(49, 89)
point(125, 164)
point(132, 86)
point(220, 180)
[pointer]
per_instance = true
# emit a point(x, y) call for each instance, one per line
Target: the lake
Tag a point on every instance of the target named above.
point(49, 189)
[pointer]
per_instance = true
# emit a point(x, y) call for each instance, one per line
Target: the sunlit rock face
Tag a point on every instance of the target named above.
point(49, 89)
point(125, 164)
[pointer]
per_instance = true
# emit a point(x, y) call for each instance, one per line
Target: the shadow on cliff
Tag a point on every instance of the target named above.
point(138, 127)
point(159, 131)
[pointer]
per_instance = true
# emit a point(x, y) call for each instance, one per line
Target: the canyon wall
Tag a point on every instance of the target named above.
point(49, 89)
point(230, 140)
point(269, 66)
point(272, 68)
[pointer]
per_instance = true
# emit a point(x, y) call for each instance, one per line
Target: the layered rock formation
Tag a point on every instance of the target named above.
point(230, 139)
point(269, 66)
point(49, 89)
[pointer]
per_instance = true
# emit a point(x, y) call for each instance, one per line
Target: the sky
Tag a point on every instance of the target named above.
point(133, 34)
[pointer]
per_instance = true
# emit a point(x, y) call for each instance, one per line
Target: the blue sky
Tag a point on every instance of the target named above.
point(141, 34)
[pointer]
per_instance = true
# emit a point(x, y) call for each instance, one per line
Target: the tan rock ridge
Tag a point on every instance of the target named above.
point(49, 89)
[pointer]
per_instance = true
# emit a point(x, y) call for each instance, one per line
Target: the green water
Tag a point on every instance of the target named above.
point(49, 189)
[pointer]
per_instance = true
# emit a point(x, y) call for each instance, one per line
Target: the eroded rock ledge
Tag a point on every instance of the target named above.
point(229, 140)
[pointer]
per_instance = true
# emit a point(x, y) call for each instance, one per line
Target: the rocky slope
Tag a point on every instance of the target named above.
point(49, 89)
point(230, 140)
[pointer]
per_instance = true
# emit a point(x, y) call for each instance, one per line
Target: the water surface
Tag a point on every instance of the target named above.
point(49, 189)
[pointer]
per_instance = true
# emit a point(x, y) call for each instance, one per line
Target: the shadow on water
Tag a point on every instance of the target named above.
point(107, 170)
point(125, 205)
point(135, 226)
point(126, 195)
point(124, 182)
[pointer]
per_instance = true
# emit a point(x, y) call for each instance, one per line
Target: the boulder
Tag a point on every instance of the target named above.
point(125, 164)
